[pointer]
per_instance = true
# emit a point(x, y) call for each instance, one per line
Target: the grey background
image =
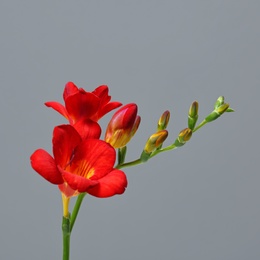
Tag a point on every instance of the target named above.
point(198, 202)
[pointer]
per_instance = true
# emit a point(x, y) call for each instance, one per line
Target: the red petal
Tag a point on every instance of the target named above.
point(67, 190)
point(102, 93)
point(130, 112)
point(45, 165)
point(58, 107)
point(93, 159)
point(82, 105)
point(70, 89)
point(65, 139)
point(88, 129)
point(113, 183)
point(106, 109)
point(77, 182)
point(105, 106)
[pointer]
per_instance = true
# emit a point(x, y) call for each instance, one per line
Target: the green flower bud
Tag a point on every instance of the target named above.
point(217, 112)
point(163, 120)
point(155, 140)
point(183, 137)
point(219, 102)
point(193, 115)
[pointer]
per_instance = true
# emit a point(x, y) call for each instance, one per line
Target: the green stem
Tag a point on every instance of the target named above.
point(139, 161)
point(204, 122)
point(133, 163)
point(66, 238)
point(76, 208)
point(167, 148)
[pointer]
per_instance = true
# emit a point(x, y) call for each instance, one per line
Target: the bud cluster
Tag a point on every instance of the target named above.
point(154, 143)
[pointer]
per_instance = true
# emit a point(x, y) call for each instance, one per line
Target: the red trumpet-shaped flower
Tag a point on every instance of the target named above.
point(83, 109)
point(122, 126)
point(79, 165)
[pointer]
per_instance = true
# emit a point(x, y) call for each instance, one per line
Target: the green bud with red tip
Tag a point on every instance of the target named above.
point(153, 142)
point(163, 120)
point(193, 115)
point(183, 137)
point(122, 126)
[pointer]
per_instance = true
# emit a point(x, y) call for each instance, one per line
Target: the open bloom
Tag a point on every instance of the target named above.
point(79, 165)
point(83, 109)
point(122, 126)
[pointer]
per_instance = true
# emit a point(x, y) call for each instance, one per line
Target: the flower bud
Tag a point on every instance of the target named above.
point(163, 120)
point(217, 112)
point(193, 115)
point(122, 126)
point(219, 102)
point(155, 140)
point(183, 137)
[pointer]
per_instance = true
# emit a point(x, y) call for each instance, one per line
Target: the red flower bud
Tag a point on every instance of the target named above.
point(122, 126)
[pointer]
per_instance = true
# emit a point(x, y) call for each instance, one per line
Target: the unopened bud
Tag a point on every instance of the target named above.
point(122, 126)
point(217, 112)
point(155, 140)
point(183, 137)
point(219, 102)
point(163, 120)
point(193, 115)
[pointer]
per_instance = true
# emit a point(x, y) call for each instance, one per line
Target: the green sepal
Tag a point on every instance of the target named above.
point(212, 116)
point(145, 156)
point(192, 122)
point(121, 154)
point(217, 112)
point(177, 143)
point(230, 110)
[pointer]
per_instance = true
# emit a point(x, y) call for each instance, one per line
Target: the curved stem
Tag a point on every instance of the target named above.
point(204, 122)
point(133, 163)
point(76, 208)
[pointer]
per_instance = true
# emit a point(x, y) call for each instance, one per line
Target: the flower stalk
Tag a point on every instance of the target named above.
point(66, 237)
point(83, 164)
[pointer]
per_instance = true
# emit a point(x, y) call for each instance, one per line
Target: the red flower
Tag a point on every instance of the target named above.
point(122, 126)
point(79, 165)
point(83, 109)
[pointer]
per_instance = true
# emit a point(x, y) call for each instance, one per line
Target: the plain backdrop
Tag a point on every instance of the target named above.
point(199, 202)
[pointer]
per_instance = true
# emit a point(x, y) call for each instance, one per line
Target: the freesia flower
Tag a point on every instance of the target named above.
point(83, 109)
point(79, 165)
point(122, 126)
